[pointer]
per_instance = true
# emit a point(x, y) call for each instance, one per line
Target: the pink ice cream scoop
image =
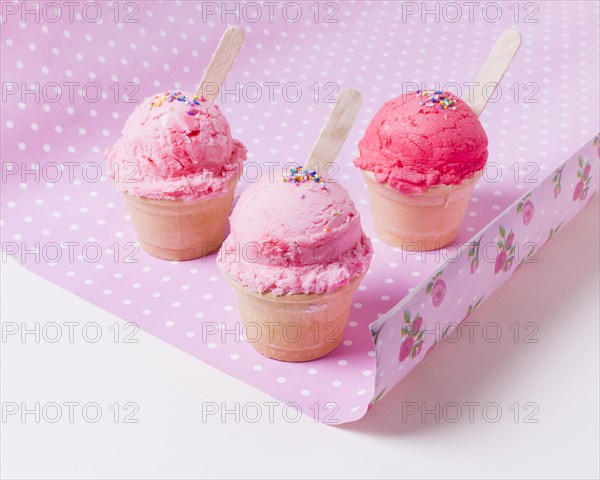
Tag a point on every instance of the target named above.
point(423, 139)
point(175, 146)
point(299, 235)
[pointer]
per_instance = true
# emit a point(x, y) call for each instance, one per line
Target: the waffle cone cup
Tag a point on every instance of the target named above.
point(178, 229)
point(424, 221)
point(295, 327)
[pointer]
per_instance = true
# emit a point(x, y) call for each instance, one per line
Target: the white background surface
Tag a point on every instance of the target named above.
point(559, 373)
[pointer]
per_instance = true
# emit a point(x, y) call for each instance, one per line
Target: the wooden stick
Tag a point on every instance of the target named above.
point(332, 137)
point(493, 70)
point(221, 63)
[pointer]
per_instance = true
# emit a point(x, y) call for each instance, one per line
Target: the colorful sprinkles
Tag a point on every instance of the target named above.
point(172, 96)
point(431, 98)
point(299, 174)
point(336, 213)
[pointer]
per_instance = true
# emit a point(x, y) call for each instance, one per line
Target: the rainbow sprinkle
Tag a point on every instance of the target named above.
point(436, 97)
point(171, 96)
point(299, 174)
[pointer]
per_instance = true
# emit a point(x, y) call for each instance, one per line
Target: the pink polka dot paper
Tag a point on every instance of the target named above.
point(70, 82)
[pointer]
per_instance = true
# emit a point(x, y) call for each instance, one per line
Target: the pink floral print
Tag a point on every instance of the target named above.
point(556, 180)
point(474, 255)
point(526, 208)
point(506, 251)
point(437, 289)
point(583, 174)
point(412, 336)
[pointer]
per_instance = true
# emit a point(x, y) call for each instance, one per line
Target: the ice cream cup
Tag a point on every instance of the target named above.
point(178, 229)
point(295, 327)
point(423, 221)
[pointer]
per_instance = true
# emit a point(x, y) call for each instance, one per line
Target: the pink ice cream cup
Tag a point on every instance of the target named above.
point(177, 167)
point(421, 156)
point(295, 256)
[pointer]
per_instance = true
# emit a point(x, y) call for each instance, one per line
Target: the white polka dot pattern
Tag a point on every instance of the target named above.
point(69, 86)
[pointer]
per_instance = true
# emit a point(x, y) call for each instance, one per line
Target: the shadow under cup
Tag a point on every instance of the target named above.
point(424, 221)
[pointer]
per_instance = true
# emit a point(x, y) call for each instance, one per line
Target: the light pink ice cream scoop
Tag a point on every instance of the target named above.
point(175, 146)
point(300, 235)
